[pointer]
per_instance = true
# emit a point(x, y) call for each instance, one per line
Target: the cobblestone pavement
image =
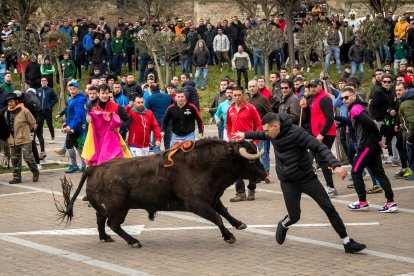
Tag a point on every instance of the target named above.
point(33, 242)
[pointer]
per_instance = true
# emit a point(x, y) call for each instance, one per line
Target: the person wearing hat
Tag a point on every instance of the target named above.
point(322, 126)
point(20, 122)
point(353, 22)
point(75, 126)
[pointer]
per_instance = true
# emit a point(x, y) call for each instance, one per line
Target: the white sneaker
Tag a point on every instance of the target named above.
point(332, 192)
point(39, 167)
point(52, 141)
point(15, 70)
point(389, 159)
point(308, 70)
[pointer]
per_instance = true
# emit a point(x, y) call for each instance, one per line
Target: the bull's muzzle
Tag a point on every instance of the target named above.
point(250, 156)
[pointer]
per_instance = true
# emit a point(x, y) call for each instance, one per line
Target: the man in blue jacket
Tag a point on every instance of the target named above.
point(48, 98)
point(158, 103)
point(76, 55)
point(87, 43)
point(119, 96)
point(75, 126)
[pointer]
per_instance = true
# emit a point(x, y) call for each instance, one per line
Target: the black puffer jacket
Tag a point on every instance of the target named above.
point(293, 163)
point(132, 90)
point(191, 93)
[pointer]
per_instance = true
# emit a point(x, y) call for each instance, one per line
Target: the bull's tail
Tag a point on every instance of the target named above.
point(66, 211)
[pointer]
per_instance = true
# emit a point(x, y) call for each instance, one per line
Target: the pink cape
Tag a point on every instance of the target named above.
point(106, 142)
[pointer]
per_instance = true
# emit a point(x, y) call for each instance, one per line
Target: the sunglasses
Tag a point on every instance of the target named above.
point(386, 81)
point(284, 88)
point(345, 98)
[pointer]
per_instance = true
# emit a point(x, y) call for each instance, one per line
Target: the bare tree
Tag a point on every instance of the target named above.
point(248, 6)
point(382, 6)
point(373, 34)
point(161, 47)
point(268, 7)
point(288, 6)
point(24, 46)
point(150, 8)
point(56, 44)
point(55, 9)
point(266, 40)
point(22, 10)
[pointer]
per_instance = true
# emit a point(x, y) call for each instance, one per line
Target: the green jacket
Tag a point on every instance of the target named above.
point(407, 114)
point(70, 68)
point(400, 50)
point(47, 70)
point(7, 87)
point(118, 45)
point(129, 39)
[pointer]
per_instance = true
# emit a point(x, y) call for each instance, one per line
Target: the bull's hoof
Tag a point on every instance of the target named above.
point(108, 239)
point(136, 245)
point(231, 240)
point(151, 216)
point(242, 227)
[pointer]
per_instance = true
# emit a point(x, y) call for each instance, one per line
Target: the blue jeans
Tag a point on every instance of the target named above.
point(221, 130)
point(142, 66)
point(336, 52)
point(360, 67)
point(265, 144)
point(384, 52)
point(184, 64)
point(258, 60)
point(199, 71)
point(175, 138)
point(410, 155)
point(190, 62)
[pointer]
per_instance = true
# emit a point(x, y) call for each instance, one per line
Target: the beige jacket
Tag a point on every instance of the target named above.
point(23, 123)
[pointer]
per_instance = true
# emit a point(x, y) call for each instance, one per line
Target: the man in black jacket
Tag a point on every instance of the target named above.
point(295, 172)
point(368, 154)
point(98, 56)
point(190, 91)
point(131, 88)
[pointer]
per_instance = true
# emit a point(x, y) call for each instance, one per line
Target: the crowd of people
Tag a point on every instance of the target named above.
point(114, 109)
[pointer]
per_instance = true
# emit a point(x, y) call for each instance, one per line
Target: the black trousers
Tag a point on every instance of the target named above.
point(371, 158)
point(78, 66)
point(292, 193)
point(246, 79)
point(49, 120)
point(327, 173)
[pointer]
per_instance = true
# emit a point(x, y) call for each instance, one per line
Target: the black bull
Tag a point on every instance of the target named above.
point(195, 183)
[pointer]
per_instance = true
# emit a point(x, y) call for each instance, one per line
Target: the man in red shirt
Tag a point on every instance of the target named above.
point(143, 123)
point(323, 126)
point(263, 90)
point(242, 116)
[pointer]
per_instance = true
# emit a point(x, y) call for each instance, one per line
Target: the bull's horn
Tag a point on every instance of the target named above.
point(243, 152)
